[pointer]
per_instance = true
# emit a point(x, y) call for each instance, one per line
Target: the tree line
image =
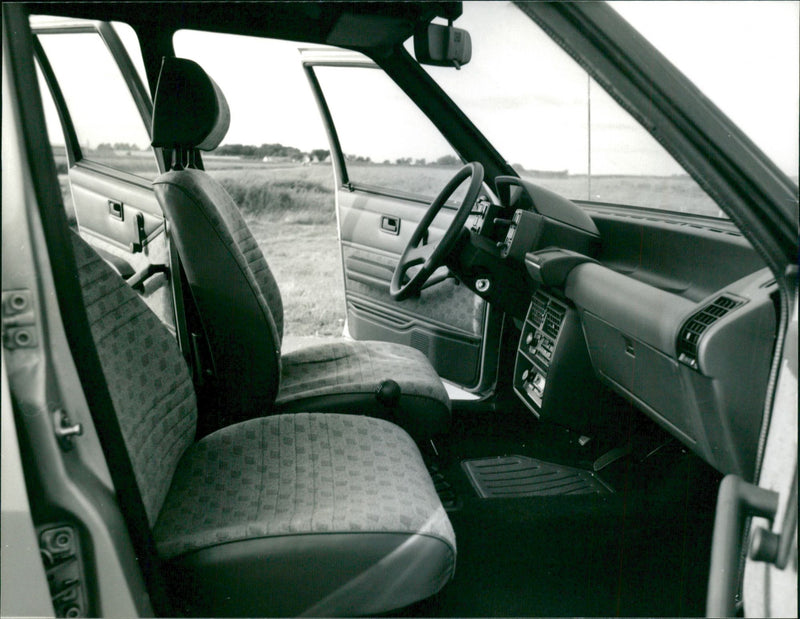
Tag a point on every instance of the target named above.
point(251, 151)
point(279, 151)
point(319, 154)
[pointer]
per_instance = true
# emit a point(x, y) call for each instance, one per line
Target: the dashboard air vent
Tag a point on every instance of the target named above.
point(538, 309)
point(553, 320)
point(693, 329)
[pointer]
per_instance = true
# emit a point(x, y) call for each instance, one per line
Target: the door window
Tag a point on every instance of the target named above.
point(108, 125)
point(55, 136)
point(387, 142)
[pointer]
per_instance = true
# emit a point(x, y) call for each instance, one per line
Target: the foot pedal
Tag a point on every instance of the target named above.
point(610, 457)
point(447, 495)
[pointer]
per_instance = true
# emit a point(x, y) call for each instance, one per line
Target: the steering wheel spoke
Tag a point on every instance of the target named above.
point(421, 263)
point(420, 255)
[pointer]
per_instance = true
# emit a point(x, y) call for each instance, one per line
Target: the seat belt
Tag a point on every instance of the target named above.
point(191, 336)
point(101, 407)
point(177, 282)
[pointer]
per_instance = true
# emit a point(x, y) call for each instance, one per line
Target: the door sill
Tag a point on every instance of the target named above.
point(457, 394)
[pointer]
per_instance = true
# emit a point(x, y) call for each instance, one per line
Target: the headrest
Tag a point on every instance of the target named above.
point(190, 110)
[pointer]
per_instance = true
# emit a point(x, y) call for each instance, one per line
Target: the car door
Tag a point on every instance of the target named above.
point(770, 578)
point(105, 161)
point(758, 522)
point(389, 163)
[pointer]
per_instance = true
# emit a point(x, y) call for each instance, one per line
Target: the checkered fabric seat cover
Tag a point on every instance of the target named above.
point(238, 301)
point(284, 514)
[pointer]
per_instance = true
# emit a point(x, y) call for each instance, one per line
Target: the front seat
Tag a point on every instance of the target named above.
point(238, 303)
point(308, 513)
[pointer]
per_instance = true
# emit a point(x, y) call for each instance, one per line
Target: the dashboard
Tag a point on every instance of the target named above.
point(691, 349)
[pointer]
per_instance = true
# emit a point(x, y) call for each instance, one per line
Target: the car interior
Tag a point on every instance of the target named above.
point(539, 400)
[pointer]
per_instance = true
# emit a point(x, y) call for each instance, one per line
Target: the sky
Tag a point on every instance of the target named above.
point(531, 99)
point(521, 90)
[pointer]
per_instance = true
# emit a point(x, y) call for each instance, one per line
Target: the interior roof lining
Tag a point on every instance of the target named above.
point(310, 22)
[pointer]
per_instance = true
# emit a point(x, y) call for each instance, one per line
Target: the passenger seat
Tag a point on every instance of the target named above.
point(238, 302)
point(305, 513)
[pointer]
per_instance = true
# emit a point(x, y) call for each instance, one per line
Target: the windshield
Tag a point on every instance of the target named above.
point(554, 123)
point(744, 56)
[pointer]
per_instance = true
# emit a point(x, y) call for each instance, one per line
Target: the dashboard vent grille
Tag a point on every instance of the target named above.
point(693, 329)
point(538, 309)
point(553, 320)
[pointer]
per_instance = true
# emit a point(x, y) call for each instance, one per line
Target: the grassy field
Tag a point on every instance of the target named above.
point(290, 210)
point(291, 195)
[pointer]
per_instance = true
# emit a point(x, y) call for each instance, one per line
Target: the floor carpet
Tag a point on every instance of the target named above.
point(642, 550)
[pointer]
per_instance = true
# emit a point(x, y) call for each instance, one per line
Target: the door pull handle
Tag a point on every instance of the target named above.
point(390, 224)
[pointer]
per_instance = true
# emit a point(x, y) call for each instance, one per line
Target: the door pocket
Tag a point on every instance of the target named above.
point(369, 271)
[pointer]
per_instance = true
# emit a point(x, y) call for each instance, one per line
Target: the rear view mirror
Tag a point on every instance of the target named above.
point(442, 46)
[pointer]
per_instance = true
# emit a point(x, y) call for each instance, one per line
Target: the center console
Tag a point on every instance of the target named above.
point(553, 376)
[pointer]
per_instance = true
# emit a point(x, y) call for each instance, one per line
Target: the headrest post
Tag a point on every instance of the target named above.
point(194, 159)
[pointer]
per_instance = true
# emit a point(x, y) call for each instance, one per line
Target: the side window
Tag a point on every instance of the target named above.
point(275, 164)
point(388, 143)
point(108, 125)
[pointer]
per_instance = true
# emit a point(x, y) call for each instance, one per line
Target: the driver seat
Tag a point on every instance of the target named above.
point(239, 312)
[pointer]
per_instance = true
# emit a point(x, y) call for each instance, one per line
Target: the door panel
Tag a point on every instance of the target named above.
point(122, 213)
point(446, 321)
point(361, 215)
point(368, 273)
point(109, 161)
point(122, 220)
point(379, 206)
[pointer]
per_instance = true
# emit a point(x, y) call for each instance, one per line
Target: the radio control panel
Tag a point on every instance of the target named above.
point(536, 349)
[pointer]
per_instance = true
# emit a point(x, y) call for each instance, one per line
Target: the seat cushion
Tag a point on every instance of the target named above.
point(345, 375)
point(322, 514)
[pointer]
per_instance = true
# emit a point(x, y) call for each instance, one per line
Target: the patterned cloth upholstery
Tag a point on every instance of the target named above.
point(147, 377)
point(298, 474)
point(345, 376)
point(240, 306)
point(347, 366)
point(232, 230)
point(331, 514)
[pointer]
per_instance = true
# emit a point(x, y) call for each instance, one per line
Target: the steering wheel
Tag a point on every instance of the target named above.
point(432, 255)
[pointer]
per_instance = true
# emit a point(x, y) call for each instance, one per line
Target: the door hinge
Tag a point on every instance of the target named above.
point(19, 321)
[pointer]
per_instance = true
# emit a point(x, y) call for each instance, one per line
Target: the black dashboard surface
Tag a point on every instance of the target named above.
point(676, 313)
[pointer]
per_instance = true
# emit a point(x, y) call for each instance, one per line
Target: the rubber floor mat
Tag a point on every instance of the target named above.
point(518, 476)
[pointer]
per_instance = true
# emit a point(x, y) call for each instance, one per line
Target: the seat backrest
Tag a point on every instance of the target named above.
point(237, 298)
point(146, 375)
